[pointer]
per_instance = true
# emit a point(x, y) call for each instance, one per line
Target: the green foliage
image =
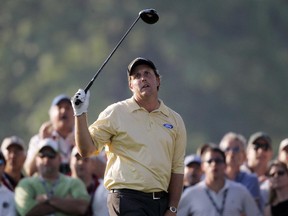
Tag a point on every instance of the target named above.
point(223, 64)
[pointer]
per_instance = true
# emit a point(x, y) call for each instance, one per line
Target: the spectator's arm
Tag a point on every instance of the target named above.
point(69, 205)
point(28, 203)
point(42, 208)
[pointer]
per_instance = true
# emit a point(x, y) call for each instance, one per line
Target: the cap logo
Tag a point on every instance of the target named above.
point(169, 126)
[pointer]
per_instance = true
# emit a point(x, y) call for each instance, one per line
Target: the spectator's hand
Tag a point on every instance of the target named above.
point(42, 198)
point(82, 107)
point(45, 130)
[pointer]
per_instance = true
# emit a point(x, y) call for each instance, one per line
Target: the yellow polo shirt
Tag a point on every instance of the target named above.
point(143, 148)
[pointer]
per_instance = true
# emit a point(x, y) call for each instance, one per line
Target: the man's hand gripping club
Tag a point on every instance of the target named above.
point(83, 106)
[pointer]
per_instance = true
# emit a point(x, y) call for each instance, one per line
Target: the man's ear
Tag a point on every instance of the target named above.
point(158, 82)
point(130, 85)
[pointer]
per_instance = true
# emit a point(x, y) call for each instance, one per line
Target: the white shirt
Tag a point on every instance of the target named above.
point(198, 201)
point(65, 147)
point(7, 204)
point(99, 204)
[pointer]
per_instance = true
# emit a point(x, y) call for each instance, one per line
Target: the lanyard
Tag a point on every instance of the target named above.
point(49, 191)
point(221, 210)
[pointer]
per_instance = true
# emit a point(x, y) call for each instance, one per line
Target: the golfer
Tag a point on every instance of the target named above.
point(145, 144)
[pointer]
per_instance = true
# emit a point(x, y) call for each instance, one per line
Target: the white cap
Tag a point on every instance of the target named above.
point(13, 140)
point(283, 144)
point(193, 158)
point(48, 142)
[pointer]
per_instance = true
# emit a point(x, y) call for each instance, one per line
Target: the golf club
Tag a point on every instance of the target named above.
point(149, 16)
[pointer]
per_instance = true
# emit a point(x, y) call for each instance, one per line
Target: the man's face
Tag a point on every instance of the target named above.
point(283, 155)
point(260, 152)
point(61, 116)
point(15, 157)
point(48, 162)
point(192, 174)
point(213, 165)
point(234, 152)
point(143, 82)
point(80, 167)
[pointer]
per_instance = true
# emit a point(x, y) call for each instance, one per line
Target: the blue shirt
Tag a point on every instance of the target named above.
point(250, 181)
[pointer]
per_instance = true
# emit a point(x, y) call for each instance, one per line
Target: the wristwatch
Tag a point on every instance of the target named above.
point(172, 209)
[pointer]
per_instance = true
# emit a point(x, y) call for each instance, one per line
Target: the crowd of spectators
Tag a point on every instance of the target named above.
point(49, 177)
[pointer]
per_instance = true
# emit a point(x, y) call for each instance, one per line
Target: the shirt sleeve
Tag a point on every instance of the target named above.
point(179, 148)
point(78, 189)
point(24, 197)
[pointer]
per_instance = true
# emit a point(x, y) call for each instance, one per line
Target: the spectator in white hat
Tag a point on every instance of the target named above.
point(13, 149)
point(50, 192)
point(283, 151)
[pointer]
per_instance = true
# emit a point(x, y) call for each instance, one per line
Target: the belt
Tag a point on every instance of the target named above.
point(152, 195)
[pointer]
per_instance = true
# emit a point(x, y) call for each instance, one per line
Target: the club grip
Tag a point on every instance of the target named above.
point(77, 102)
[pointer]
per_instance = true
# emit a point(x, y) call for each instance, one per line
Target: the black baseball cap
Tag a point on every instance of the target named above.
point(141, 61)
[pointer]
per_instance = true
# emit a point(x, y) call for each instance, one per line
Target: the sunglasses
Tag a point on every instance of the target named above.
point(233, 149)
point(48, 155)
point(215, 160)
point(264, 146)
point(279, 173)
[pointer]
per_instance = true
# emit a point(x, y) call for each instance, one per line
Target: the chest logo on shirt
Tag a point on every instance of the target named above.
point(169, 126)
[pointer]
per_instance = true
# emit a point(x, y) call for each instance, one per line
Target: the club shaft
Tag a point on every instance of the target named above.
point(111, 54)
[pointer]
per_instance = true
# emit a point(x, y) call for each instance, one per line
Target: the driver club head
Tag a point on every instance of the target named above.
point(149, 16)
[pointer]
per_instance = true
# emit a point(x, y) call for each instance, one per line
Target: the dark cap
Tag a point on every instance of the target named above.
point(60, 98)
point(141, 61)
point(259, 135)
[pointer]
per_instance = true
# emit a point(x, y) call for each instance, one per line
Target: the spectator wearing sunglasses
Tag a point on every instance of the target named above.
point(234, 146)
point(216, 195)
point(259, 154)
point(7, 205)
point(278, 185)
point(50, 192)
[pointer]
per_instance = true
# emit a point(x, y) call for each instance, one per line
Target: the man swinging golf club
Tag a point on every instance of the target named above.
point(145, 144)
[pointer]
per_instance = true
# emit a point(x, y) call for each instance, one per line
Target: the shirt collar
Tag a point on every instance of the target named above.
point(133, 106)
point(225, 187)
